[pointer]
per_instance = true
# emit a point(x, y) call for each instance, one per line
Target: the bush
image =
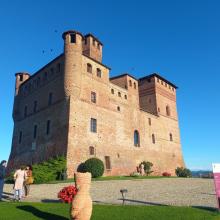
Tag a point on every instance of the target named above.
point(135, 174)
point(50, 170)
point(147, 167)
point(166, 174)
point(95, 166)
point(183, 172)
point(10, 178)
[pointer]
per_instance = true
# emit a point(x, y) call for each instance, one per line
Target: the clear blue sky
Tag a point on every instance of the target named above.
point(178, 39)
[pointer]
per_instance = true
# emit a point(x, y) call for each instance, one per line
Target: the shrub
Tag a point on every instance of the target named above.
point(147, 167)
point(135, 174)
point(50, 170)
point(95, 166)
point(183, 172)
point(166, 174)
point(67, 194)
point(10, 178)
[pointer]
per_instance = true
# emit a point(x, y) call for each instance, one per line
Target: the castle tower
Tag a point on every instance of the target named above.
point(73, 63)
point(158, 96)
point(21, 77)
point(92, 47)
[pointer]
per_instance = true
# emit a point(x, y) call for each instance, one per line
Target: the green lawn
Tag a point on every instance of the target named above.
point(104, 178)
point(56, 211)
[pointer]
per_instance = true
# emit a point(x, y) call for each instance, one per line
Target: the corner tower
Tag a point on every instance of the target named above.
point(158, 96)
point(73, 63)
point(21, 77)
point(92, 47)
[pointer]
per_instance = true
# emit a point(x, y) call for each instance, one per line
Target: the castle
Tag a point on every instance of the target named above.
point(71, 107)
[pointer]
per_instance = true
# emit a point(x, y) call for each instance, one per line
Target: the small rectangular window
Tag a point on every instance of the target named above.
point(20, 137)
point(149, 121)
point(21, 77)
point(72, 38)
point(48, 127)
point(93, 97)
point(99, 73)
point(35, 132)
point(50, 98)
point(52, 71)
point(45, 75)
point(107, 163)
point(58, 67)
point(35, 106)
point(93, 125)
point(25, 111)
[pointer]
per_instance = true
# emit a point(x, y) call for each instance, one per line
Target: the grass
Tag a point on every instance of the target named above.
point(58, 211)
point(105, 178)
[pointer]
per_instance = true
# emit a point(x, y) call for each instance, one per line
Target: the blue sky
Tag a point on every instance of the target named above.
point(178, 39)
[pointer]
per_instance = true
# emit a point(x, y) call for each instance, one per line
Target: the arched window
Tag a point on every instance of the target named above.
point(119, 94)
point(168, 110)
point(130, 83)
point(112, 91)
point(91, 150)
point(134, 85)
point(136, 139)
point(118, 108)
point(126, 97)
point(153, 139)
point(99, 73)
point(89, 68)
point(171, 137)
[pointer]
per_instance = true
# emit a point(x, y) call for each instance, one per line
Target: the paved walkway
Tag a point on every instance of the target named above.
point(173, 191)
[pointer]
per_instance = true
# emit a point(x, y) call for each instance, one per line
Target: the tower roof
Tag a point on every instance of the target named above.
point(71, 32)
point(160, 77)
point(91, 35)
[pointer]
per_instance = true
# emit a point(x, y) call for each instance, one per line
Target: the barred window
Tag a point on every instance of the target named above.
point(93, 97)
point(93, 125)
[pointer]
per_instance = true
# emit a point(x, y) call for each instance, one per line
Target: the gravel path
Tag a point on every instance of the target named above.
point(173, 191)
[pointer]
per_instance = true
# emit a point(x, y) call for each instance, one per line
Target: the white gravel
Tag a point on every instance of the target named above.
point(166, 191)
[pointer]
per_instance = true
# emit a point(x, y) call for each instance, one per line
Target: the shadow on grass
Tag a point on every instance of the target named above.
point(40, 214)
point(50, 201)
point(206, 208)
point(143, 202)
